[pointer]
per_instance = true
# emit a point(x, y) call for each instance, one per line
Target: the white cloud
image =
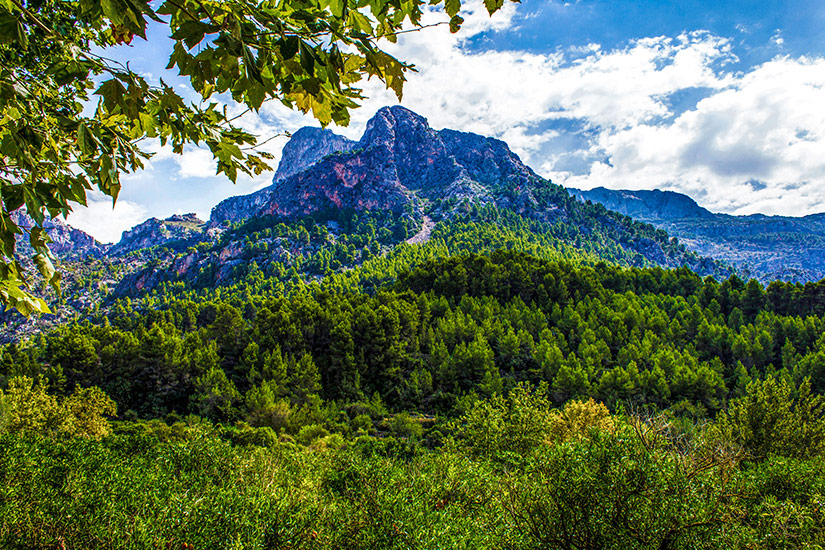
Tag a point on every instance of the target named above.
point(777, 38)
point(752, 141)
point(104, 223)
point(196, 163)
point(756, 146)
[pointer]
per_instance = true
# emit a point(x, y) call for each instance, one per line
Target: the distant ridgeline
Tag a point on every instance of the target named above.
point(765, 247)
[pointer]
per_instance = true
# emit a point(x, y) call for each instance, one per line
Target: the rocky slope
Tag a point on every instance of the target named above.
point(766, 247)
point(411, 176)
point(155, 232)
point(67, 242)
point(335, 204)
point(646, 205)
point(398, 161)
point(306, 147)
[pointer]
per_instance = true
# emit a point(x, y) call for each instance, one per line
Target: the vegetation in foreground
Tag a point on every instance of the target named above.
point(512, 472)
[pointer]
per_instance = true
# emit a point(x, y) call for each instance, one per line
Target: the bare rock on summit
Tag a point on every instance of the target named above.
point(154, 232)
point(306, 147)
point(67, 241)
point(398, 158)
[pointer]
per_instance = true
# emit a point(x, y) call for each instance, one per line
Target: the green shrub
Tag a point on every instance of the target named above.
point(310, 433)
point(402, 425)
point(770, 420)
point(506, 427)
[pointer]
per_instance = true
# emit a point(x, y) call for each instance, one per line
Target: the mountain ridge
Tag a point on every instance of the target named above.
point(356, 206)
point(398, 156)
point(410, 176)
point(766, 247)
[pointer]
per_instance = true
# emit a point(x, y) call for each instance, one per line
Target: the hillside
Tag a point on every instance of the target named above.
point(765, 247)
point(467, 359)
point(457, 399)
point(336, 204)
point(362, 199)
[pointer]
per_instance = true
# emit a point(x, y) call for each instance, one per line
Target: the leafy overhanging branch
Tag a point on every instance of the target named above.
point(308, 54)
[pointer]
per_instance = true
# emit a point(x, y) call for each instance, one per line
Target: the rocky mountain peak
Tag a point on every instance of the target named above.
point(306, 147)
point(66, 240)
point(398, 157)
point(185, 218)
point(154, 232)
point(395, 127)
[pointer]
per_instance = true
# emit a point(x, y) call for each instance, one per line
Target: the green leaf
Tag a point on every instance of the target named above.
point(112, 92)
point(191, 32)
point(360, 22)
point(289, 47)
point(455, 23)
point(15, 297)
point(8, 28)
point(452, 7)
point(250, 66)
point(44, 265)
point(114, 10)
point(493, 5)
point(337, 7)
point(307, 57)
point(85, 141)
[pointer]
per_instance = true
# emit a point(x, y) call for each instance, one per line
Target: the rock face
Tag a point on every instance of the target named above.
point(67, 242)
point(398, 160)
point(154, 232)
point(306, 147)
point(768, 247)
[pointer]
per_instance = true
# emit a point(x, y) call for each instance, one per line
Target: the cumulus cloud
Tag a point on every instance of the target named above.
point(104, 223)
point(663, 112)
point(756, 146)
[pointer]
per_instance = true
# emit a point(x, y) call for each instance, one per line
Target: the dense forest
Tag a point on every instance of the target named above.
point(469, 325)
point(496, 400)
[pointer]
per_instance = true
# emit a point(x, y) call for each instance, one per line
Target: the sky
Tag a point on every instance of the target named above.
point(721, 100)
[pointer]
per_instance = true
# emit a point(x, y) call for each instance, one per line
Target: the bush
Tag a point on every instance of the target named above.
point(402, 425)
point(612, 491)
point(244, 434)
point(361, 422)
point(577, 419)
point(26, 407)
point(310, 433)
point(770, 420)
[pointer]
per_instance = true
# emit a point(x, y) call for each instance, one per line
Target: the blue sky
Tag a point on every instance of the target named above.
point(724, 101)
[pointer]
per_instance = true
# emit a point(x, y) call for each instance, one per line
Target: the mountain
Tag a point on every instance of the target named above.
point(355, 215)
point(155, 232)
point(403, 166)
point(335, 203)
point(67, 242)
point(306, 147)
point(646, 205)
point(398, 162)
point(765, 247)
